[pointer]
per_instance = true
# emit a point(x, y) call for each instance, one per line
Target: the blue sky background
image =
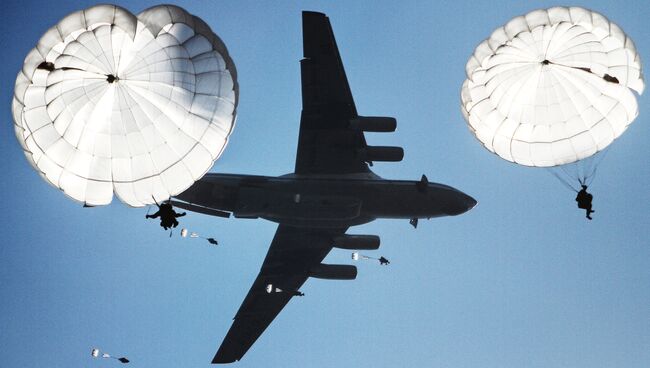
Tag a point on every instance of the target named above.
point(522, 280)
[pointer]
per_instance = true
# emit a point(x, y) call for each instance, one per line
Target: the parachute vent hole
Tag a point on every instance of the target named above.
point(546, 62)
point(111, 78)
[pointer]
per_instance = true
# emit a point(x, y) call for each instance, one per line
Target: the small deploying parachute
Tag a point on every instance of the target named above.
point(95, 354)
point(270, 289)
point(382, 260)
point(140, 106)
point(185, 233)
point(552, 87)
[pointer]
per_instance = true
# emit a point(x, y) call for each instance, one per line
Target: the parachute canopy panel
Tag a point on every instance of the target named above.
point(140, 106)
point(552, 87)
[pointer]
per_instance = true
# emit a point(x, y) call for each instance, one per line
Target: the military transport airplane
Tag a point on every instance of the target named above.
point(331, 189)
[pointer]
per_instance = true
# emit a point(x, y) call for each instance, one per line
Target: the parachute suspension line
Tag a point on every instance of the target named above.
point(591, 177)
point(583, 172)
point(573, 175)
point(155, 201)
point(562, 180)
point(585, 168)
point(596, 162)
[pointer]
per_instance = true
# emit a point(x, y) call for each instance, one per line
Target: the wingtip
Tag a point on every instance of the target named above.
point(226, 356)
point(222, 360)
point(306, 13)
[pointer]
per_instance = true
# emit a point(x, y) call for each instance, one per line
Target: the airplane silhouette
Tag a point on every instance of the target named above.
point(331, 189)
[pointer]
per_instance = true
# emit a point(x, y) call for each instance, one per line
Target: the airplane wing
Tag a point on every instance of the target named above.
point(293, 256)
point(327, 144)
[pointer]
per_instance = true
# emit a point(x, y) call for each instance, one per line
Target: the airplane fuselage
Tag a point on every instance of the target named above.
point(325, 201)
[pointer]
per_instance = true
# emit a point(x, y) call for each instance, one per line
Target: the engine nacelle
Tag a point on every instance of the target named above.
point(381, 153)
point(333, 272)
point(357, 242)
point(374, 124)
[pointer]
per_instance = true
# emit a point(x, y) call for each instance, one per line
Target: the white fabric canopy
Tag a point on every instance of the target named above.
point(137, 105)
point(552, 87)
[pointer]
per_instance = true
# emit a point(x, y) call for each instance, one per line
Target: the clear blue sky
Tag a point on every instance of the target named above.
point(523, 280)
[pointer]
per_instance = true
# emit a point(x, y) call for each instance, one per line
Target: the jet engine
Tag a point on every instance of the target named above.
point(378, 124)
point(354, 242)
point(381, 153)
point(333, 272)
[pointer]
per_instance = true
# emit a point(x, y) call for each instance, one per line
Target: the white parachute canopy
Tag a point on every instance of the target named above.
point(140, 106)
point(552, 87)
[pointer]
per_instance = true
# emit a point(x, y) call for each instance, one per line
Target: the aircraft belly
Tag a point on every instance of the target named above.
point(299, 207)
point(326, 202)
point(399, 201)
point(322, 223)
point(406, 201)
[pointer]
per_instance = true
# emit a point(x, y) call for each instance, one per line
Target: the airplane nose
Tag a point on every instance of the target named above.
point(461, 203)
point(470, 202)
